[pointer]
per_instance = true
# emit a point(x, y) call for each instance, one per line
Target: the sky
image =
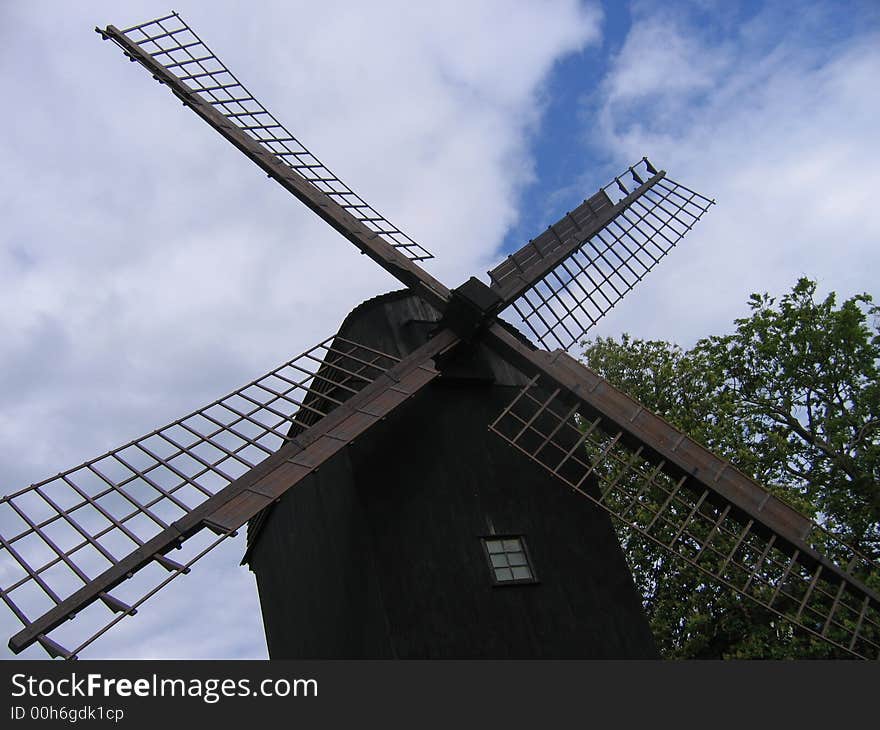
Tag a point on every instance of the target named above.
point(147, 267)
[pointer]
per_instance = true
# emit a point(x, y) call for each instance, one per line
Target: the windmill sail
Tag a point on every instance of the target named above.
point(566, 279)
point(665, 486)
point(172, 52)
point(73, 538)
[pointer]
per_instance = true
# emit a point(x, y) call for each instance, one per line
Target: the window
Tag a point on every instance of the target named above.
point(508, 560)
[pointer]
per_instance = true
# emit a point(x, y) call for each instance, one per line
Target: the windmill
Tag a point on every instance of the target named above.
point(87, 548)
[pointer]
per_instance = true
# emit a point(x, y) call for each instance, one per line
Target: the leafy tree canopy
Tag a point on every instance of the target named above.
point(792, 398)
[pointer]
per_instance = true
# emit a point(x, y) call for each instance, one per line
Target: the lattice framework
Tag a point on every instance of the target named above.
point(65, 531)
point(562, 306)
point(176, 47)
point(696, 525)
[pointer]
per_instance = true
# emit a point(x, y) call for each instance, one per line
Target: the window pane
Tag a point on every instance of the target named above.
point(508, 560)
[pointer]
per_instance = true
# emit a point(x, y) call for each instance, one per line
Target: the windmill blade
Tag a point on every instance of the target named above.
point(175, 56)
point(108, 524)
point(670, 489)
point(562, 282)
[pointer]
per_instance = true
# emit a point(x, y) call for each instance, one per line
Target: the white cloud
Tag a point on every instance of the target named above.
point(146, 267)
point(778, 122)
point(657, 62)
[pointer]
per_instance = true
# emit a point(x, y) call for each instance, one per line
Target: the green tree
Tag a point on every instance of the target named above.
point(792, 398)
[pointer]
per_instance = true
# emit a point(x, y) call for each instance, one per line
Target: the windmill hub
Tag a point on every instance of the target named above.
point(470, 308)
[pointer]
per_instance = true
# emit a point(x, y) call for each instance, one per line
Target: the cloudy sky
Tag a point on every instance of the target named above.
point(146, 267)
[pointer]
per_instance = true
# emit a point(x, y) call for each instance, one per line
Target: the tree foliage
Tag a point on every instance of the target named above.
point(791, 397)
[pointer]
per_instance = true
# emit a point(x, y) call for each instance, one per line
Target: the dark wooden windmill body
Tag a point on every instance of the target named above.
point(384, 548)
point(427, 482)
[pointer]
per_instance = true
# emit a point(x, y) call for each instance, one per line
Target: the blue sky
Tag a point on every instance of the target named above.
point(570, 140)
point(146, 268)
